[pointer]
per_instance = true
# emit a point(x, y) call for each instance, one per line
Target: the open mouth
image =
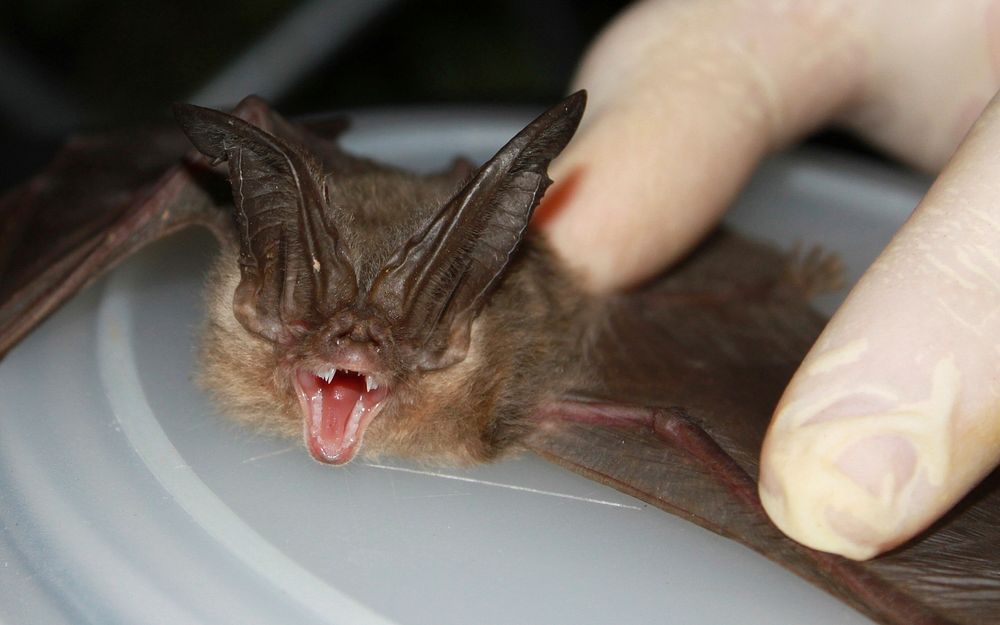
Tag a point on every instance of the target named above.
point(337, 405)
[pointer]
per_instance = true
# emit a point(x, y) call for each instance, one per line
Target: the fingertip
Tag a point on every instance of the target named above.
point(847, 471)
point(891, 419)
point(601, 218)
point(857, 513)
point(631, 196)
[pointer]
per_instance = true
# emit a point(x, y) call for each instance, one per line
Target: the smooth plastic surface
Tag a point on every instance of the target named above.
point(124, 498)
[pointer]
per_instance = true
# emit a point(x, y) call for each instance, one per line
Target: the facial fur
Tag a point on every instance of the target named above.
point(522, 351)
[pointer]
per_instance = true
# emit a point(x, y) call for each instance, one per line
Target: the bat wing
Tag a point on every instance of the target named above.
point(686, 375)
point(101, 199)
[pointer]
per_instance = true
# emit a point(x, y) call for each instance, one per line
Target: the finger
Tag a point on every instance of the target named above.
point(685, 98)
point(930, 71)
point(895, 413)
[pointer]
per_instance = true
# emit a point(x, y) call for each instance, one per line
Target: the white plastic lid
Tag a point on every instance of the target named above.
point(125, 499)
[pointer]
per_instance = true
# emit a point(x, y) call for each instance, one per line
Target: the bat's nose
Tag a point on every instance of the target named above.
point(359, 333)
point(357, 330)
point(355, 338)
point(357, 326)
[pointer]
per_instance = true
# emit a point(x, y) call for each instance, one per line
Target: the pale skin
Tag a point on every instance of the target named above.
point(895, 413)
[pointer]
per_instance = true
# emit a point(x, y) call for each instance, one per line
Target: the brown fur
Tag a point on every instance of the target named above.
point(471, 412)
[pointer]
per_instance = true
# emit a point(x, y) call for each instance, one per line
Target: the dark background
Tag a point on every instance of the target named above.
point(67, 65)
point(70, 64)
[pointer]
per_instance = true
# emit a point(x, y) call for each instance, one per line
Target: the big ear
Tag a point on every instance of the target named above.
point(290, 254)
point(434, 287)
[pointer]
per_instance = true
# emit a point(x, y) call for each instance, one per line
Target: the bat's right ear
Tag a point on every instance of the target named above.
point(212, 132)
point(285, 237)
point(206, 127)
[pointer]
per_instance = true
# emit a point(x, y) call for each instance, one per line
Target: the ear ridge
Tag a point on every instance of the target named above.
point(438, 282)
point(285, 236)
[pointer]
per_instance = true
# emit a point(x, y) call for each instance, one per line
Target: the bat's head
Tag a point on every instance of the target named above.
point(350, 321)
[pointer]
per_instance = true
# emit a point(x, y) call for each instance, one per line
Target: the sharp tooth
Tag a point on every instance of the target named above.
point(370, 383)
point(327, 374)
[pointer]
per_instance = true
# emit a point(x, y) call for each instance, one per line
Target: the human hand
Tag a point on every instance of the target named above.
point(893, 415)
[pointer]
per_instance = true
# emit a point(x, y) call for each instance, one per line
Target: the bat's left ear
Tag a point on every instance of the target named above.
point(439, 281)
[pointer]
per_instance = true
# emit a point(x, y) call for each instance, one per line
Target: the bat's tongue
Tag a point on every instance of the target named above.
point(336, 413)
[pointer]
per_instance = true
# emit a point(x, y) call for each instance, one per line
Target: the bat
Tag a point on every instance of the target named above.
point(370, 310)
point(367, 309)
